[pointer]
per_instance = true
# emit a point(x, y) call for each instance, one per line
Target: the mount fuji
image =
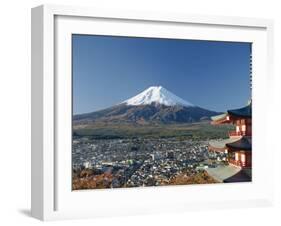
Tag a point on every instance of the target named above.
point(157, 95)
point(154, 105)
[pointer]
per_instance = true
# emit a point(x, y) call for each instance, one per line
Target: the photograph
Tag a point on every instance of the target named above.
point(150, 111)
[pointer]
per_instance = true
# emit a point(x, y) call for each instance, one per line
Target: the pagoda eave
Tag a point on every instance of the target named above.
point(220, 145)
point(244, 143)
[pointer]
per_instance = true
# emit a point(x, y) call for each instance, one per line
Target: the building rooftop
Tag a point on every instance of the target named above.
point(219, 117)
point(242, 112)
point(244, 143)
point(220, 145)
point(228, 174)
point(221, 173)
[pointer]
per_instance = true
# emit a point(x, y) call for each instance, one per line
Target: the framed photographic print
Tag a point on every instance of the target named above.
point(137, 112)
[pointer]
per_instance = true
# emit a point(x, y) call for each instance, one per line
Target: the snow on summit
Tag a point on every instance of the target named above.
point(158, 95)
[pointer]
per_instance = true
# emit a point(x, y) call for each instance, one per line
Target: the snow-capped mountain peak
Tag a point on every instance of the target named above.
point(157, 95)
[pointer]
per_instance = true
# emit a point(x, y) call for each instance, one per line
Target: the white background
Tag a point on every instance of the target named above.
point(15, 111)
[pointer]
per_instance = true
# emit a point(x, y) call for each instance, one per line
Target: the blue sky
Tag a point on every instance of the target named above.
point(108, 70)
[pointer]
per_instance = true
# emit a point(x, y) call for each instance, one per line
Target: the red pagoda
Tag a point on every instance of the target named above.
point(238, 147)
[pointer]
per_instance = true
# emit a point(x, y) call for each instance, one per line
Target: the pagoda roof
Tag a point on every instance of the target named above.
point(245, 112)
point(219, 117)
point(244, 143)
point(241, 176)
point(220, 145)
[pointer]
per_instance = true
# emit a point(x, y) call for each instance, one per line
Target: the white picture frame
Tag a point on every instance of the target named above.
point(52, 198)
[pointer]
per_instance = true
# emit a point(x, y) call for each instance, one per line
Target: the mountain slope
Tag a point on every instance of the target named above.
point(154, 105)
